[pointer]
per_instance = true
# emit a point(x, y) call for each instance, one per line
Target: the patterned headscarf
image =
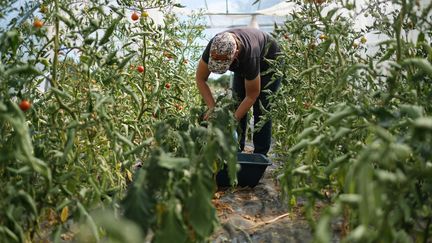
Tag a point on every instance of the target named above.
point(222, 52)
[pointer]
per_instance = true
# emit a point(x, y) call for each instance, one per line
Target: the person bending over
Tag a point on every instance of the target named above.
point(243, 51)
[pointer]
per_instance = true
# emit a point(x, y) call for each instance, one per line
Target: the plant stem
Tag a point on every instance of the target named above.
point(339, 54)
point(426, 231)
point(398, 30)
point(393, 80)
point(56, 46)
point(54, 81)
point(141, 113)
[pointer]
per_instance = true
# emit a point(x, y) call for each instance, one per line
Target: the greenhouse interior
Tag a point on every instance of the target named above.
point(216, 121)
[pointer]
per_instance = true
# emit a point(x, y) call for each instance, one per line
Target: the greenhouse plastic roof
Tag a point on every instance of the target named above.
point(221, 15)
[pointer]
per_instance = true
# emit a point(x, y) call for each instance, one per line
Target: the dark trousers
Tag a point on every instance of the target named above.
point(261, 138)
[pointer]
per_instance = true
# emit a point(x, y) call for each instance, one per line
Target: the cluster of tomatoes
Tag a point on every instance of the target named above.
point(135, 16)
point(37, 23)
point(363, 40)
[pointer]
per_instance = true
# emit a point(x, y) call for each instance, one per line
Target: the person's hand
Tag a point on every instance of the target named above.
point(235, 118)
point(208, 114)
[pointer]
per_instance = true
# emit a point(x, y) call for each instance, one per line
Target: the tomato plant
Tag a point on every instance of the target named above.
point(174, 181)
point(92, 116)
point(352, 124)
point(355, 132)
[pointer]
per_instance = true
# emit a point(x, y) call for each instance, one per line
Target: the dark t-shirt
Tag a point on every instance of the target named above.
point(256, 47)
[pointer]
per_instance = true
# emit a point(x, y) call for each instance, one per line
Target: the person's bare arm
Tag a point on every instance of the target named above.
point(252, 88)
point(201, 76)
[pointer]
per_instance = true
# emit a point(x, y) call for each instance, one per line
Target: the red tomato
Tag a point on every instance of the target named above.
point(24, 105)
point(167, 85)
point(140, 69)
point(37, 23)
point(134, 16)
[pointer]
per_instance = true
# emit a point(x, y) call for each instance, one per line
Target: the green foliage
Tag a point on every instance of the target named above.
point(92, 114)
point(223, 81)
point(353, 126)
point(173, 190)
point(354, 131)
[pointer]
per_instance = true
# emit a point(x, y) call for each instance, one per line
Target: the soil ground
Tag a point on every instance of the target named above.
point(258, 214)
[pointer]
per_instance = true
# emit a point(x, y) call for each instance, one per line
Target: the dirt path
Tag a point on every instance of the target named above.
point(258, 215)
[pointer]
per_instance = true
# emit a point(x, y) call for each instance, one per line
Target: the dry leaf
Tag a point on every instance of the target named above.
point(51, 216)
point(67, 236)
point(129, 175)
point(64, 214)
point(218, 195)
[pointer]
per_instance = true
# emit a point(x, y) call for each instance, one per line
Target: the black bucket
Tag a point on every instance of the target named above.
point(252, 167)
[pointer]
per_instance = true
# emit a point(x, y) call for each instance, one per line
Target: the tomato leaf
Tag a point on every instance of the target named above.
point(338, 116)
point(109, 32)
point(200, 209)
point(303, 143)
point(420, 63)
point(171, 163)
point(172, 229)
point(23, 70)
point(8, 233)
point(126, 60)
point(137, 202)
point(89, 221)
point(413, 111)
